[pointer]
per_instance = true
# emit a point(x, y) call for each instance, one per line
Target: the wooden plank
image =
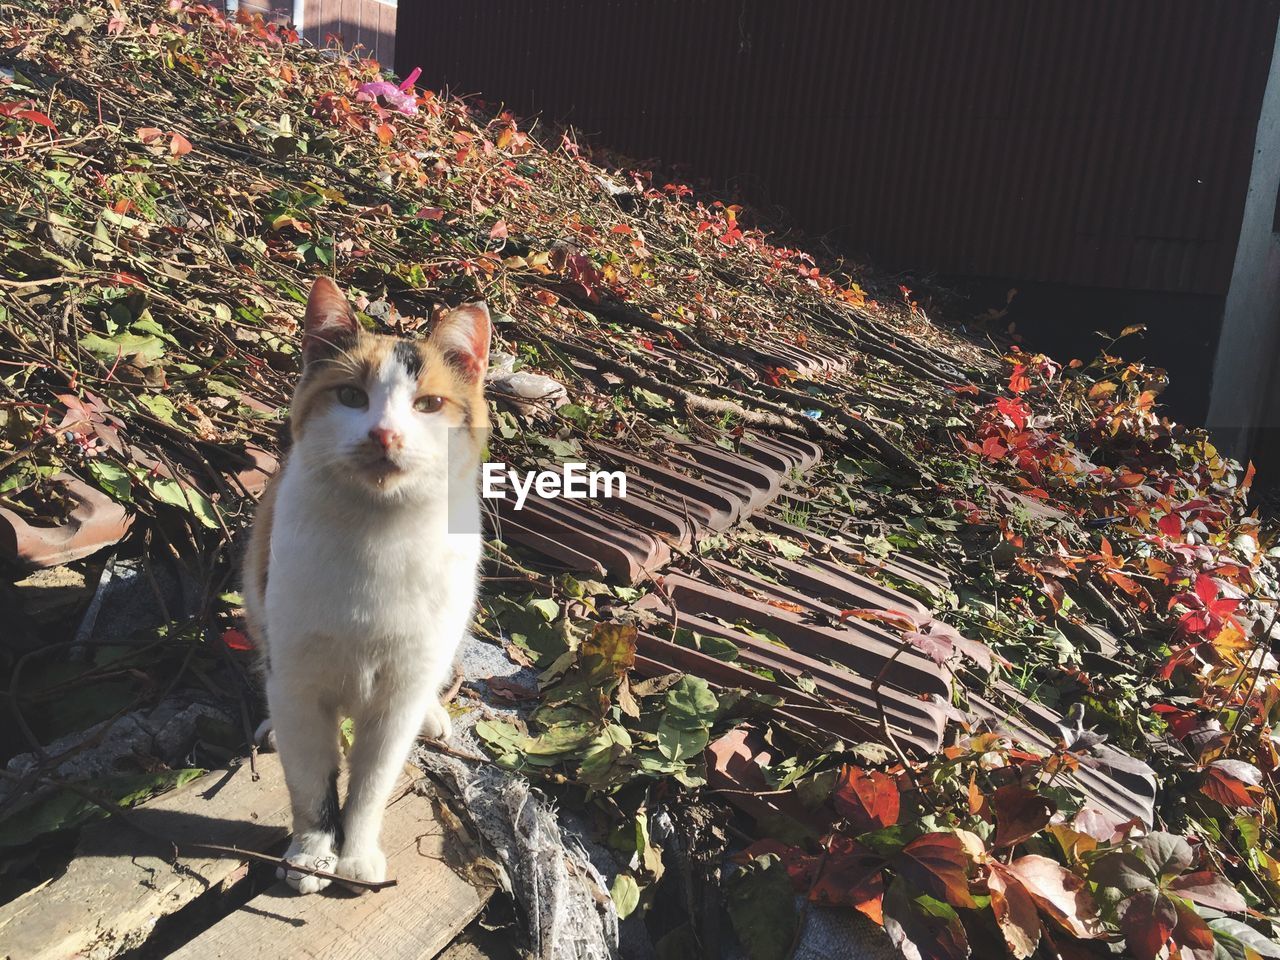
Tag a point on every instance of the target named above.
point(122, 881)
point(414, 920)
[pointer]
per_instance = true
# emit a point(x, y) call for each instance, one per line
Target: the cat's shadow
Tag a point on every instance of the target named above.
point(161, 845)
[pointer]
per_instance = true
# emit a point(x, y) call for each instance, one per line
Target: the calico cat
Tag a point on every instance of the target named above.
point(361, 573)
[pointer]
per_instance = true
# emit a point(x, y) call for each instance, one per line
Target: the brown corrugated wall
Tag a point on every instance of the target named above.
point(368, 24)
point(1098, 142)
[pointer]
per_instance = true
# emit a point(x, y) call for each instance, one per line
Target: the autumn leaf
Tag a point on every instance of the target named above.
point(894, 618)
point(868, 800)
point(1020, 814)
point(849, 874)
point(1015, 911)
point(179, 146)
point(1208, 889)
point(937, 863)
point(1147, 921)
point(35, 116)
point(237, 639)
point(386, 134)
point(1233, 783)
point(921, 927)
point(1062, 895)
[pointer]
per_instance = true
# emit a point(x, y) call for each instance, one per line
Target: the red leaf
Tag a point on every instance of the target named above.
point(1208, 889)
point(849, 875)
point(1181, 722)
point(869, 800)
point(179, 146)
point(237, 639)
point(1171, 526)
point(937, 647)
point(937, 863)
point(385, 134)
point(1233, 783)
point(35, 116)
point(498, 231)
point(1193, 935)
point(1206, 588)
point(1020, 814)
point(1147, 923)
point(149, 134)
point(1015, 911)
point(1100, 824)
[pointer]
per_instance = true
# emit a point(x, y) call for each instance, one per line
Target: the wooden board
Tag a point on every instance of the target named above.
point(122, 881)
point(414, 920)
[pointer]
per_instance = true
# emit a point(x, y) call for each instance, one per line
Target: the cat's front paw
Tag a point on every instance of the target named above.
point(437, 725)
point(367, 865)
point(308, 854)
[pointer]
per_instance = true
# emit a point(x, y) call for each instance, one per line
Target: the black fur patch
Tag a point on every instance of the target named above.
point(330, 821)
point(409, 357)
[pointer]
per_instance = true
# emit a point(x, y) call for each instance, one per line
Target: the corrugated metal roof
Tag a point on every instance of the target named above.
point(1083, 141)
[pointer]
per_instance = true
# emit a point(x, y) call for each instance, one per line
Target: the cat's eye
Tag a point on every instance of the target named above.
point(353, 397)
point(428, 404)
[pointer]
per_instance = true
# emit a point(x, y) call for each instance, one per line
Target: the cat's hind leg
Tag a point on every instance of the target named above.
point(306, 734)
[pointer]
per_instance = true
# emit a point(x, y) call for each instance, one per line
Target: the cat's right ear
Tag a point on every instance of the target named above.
point(330, 325)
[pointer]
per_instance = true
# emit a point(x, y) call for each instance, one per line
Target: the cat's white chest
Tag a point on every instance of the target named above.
point(401, 579)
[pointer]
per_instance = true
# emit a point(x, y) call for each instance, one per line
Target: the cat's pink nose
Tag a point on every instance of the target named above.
point(386, 438)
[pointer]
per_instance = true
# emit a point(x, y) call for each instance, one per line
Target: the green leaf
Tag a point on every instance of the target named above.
point(113, 479)
point(547, 607)
point(503, 740)
point(179, 495)
point(160, 406)
point(680, 740)
point(717, 647)
point(1235, 937)
point(144, 348)
point(626, 895)
point(691, 703)
point(762, 908)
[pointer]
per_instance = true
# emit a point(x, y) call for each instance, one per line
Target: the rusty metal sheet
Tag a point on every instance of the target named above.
point(911, 569)
point(713, 508)
point(656, 656)
point(1127, 794)
point(839, 588)
point(653, 516)
point(612, 543)
point(843, 663)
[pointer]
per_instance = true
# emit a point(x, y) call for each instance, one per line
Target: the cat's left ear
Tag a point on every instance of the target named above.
point(463, 337)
